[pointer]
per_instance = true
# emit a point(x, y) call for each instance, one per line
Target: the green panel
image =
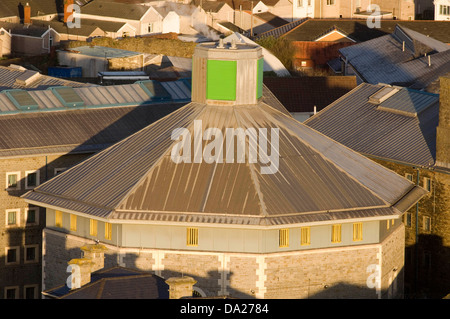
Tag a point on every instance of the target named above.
point(221, 80)
point(259, 83)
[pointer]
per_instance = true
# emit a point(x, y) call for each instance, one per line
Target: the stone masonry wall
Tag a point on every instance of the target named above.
point(320, 273)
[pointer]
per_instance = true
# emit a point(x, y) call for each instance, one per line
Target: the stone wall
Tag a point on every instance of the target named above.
point(24, 273)
point(340, 272)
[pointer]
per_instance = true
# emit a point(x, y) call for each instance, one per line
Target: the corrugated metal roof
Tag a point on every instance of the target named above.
point(403, 131)
point(136, 179)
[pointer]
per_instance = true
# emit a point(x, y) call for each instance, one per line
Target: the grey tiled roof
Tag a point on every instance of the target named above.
point(383, 60)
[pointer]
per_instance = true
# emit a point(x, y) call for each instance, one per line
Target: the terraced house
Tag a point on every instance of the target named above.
point(326, 223)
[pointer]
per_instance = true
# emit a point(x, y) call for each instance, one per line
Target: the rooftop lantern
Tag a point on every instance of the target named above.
point(227, 73)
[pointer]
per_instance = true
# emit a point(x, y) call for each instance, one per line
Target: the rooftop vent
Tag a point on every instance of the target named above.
point(382, 95)
point(27, 77)
point(22, 100)
point(67, 96)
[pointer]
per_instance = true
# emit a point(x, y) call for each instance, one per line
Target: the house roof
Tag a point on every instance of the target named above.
point(360, 31)
point(20, 29)
point(401, 129)
point(87, 27)
point(115, 9)
point(318, 180)
point(271, 19)
point(116, 283)
point(301, 94)
point(383, 60)
point(9, 8)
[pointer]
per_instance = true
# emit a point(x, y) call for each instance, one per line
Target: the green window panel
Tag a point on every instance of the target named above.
point(221, 80)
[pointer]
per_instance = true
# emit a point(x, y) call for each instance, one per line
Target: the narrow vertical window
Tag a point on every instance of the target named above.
point(108, 231)
point(93, 227)
point(192, 236)
point(12, 180)
point(427, 223)
point(357, 231)
point(336, 233)
point(58, 218)
point(427, 184)
point(305, 236)
point(283, 237)
point(73, 222)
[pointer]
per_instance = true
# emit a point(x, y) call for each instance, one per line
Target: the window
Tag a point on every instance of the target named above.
point(283, 237)
point(357, 231)
point(408, 219)
point(93, 227)
point(388, 224)
point(11, 292)
point(12, 180)
point(336, 233)
point(192, 236)
point(12, 217)
point(427, 223)
point(444, 10)
point(32, 216)
point(330, 2)
point(31, 254)
point(299, 3)
point(108, 231)
point(309, 2)
point(305, 234)
point(73, 222)
point(31, 179)
point(427, 183)
point(150, 28)
point(30, 291)
point(58, 219)
point(12, 255)
point(409, 176)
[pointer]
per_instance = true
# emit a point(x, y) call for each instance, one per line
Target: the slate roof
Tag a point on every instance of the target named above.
point(9, 8)
point(271, 19)
point(401, 129)
point(87, 27)
point(383, 60)
point(301, 94)
point(115, 10)
point(318, 179)
point(358, 29)
point(116, 283)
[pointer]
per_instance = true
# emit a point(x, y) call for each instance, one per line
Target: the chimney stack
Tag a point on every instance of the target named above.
point(180, 287)
point(27, 14)
point(92, 260)
point(443, 129)
point(67, 13)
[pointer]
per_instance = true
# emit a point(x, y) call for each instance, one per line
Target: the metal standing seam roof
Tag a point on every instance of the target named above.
point(100, 96)
point(318, 179)
point(401, 129)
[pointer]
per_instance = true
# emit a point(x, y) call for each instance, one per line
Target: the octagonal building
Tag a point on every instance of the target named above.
point(236, 194)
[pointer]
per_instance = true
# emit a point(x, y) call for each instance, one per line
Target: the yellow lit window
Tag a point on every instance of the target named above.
point(93, 227)
point(283, 237)
point(108, 231)
point(305, 235)
point(192, 236)
point(58, 218)
point(357, 231)
point(336, 234)
point(73, 222)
